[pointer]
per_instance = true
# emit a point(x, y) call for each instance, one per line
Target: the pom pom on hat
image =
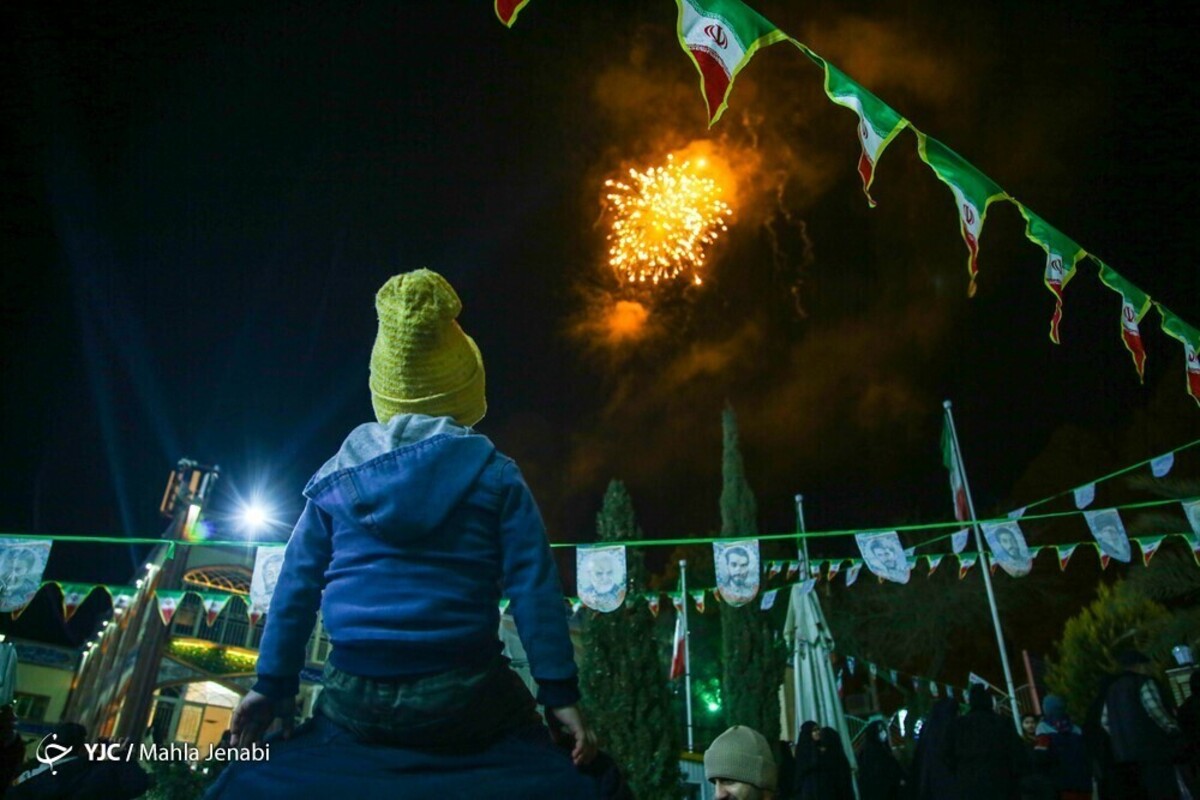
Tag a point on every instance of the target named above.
point(422, 362)
point(741, 754)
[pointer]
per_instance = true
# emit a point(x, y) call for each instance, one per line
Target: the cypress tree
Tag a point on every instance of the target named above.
point(753, 661)
point(623, 675)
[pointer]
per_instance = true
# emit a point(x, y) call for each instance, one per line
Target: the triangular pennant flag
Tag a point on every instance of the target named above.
point(1062, 256)
point(973, 193)
point(1084, 496)
point(254, 614)
point(934, 560)
point(73, 595)
point(1109, 533)
point(652, 601)
point(1134, 305)
point(792, 568)
point(576, 604)
point(768, 600)
point(958, 540)
point(507, 10)
point(850, 664)
point(1160, 466)
point(814, 568)
point(721, 36)
point(122, 598)
point(1149, 546)
point(168, 602)
point(1065, 551)
point(949, 691)
point(832, 570)
point(1036, 551)
point(878, 123)
point(1104, 558)
point(1017, 514)
point(773, 569)
point(1191, 510)
point(874, 670)
point(677, 601)
point(965, 562)
point(214, 604)
point(1189, 337)
point(698, 599)
point(933, 688)
point(916, 684)
point(852, 572)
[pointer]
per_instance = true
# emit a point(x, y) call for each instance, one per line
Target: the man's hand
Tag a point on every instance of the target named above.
point(254, 716)
point(585, 741)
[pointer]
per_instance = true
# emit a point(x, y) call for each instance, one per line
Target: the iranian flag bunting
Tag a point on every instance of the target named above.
point(653, 603)
point(934, 562)
point(973, 193)
point(1104, 557)
point(965, 562)
point(792, 568)
point(1062, 255)
point(958, 487)
point(677, 601)
point(698, 598)
point(852, 572)
point(1134, 305)
point(1160, 466)
point(507, 10)
point(168, 602)
point(1189, 337)
point(721, 36)
point(214, 604)
point(1149, 546)
point(832, 571)
point(73, 595)
point(576, 604)
point(768, 600)
point(773, 569)
point(1065, 551)
point(122, 598)
point(878, 124)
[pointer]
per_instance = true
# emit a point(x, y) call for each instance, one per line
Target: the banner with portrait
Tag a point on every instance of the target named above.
point(1008, 547)
point(1191, 509)
point(884, 555)
point(22, 562)
point(738, 568)
point(1109, 533)
point(600, 576)
point(268, 561)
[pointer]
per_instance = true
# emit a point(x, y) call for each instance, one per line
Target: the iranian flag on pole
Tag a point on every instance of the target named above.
point(1062, 256)
point(1134, 305)
point(973, 193)
point(678, 657)
point(1189, 337)
point(721, 36)
point(878, 124)
point(958, 488)
point(507, 10)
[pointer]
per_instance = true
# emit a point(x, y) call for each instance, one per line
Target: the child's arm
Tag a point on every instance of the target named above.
point(294, 605)
point(532, 583)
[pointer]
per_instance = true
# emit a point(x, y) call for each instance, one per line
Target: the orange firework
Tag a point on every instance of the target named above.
point(664, 220)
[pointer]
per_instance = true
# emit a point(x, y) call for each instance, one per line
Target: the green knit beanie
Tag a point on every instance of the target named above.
point(422, 362)
point(741, 754)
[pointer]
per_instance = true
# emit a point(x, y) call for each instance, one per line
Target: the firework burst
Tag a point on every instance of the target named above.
point(664, 221)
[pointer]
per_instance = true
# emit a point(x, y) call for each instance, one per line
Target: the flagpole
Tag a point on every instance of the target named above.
point(986, 570)
point(802, 551)
point(687, 656)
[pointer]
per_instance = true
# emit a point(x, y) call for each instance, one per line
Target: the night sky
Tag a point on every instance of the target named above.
point(199, 202)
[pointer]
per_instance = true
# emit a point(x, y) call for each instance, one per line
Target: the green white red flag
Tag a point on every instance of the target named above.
point(878, 123)
point(1062, 256)
point(652, 602)
point(721, 36)
point(965, 562)
point(1134, 305)
point(507, 10)
point(168, 602)
point(973, 193)
point(934, 561)
point(1189, 337)
point(698, 599)
point(958, 487)
point(214, 604)
point(73, 595)
point(1149, 546)
point(679, 648)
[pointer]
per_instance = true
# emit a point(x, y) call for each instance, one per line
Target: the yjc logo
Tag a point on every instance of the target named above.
point(50, 752)
point(717, 34)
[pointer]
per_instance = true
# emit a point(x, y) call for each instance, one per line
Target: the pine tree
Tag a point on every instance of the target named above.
point(623, 675)
point(753, 661)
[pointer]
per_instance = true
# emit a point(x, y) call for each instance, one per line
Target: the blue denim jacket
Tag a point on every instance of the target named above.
point(409, 537)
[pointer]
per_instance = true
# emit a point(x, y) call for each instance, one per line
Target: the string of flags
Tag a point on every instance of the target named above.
point(721, 36)
point(900, 680)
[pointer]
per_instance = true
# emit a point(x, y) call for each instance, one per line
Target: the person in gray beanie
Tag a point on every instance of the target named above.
point(740, 763)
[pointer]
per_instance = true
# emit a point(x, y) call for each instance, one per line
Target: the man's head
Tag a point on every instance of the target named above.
point(740, 764)
point(1008, 542)
point(603, 569)
point(883, 554)
point(737, 566)
point(422, 362)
